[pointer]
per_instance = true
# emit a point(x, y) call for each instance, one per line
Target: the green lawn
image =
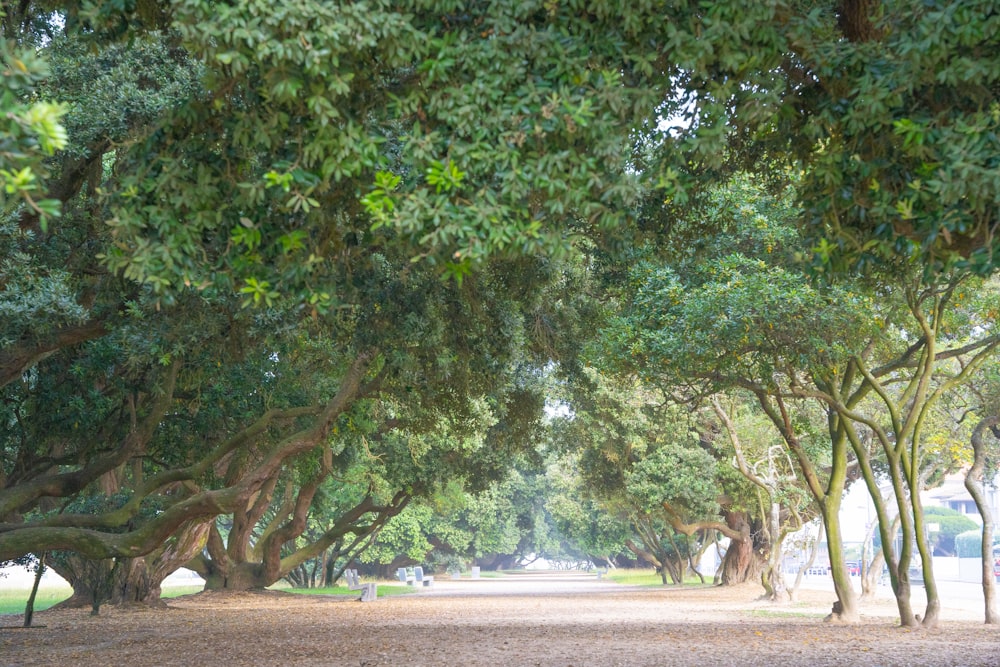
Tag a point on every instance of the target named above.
point(12, 601)
point(770, 613)
point(383, 590)
point(647, 577)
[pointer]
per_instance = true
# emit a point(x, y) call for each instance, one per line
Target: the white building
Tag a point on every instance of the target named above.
point(953, 494)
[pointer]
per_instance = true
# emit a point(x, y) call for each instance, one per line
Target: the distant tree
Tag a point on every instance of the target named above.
point(737, 315)
point(950, 523)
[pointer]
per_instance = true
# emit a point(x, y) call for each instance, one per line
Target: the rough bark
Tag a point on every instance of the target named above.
point(742, 562)
point(235, 570)
point(129, 580)
point(855, 20)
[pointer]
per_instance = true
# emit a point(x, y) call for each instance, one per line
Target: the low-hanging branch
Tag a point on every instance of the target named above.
point(18, 539)
point(17, 358)
point(678, 524)
point(63, 484)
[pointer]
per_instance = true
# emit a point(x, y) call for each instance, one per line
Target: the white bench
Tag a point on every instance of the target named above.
point(416, 577)
point(369, 592)
point(422, 579)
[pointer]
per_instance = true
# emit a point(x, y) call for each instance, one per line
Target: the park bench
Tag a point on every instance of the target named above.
point(422, 579)
point(369, 592)
point(601, 571)
point(415, 577)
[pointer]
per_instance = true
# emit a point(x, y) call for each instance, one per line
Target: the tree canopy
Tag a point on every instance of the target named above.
point(271, 271)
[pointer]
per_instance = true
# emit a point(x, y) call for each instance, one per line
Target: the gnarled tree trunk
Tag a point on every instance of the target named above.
point(128, 580)
point(743, 561)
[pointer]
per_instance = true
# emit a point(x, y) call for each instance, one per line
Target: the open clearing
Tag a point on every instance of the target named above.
point(545, 619)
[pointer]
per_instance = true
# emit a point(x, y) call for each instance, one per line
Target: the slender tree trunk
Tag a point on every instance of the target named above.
point(773, 575)
point(694, 557)
point(899, 568)
point(932, 611)
point(974, 484)
point(846, 608)
point(872, 560)
point(29, 608)
point(827, 494)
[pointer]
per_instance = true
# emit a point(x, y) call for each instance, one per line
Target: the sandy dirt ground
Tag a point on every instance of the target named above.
point(545, 619)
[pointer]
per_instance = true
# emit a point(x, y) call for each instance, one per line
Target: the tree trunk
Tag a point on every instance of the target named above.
point(855, 20)
point(932, 611)
point(773, 574)
point(243, 576)
point(899, 565)
point(29, 608)
point(871, 567)
point(974, 484)
point(644, 555)
point(871, 574)
point(128, 580)
point(742, 562)
point(846, 608)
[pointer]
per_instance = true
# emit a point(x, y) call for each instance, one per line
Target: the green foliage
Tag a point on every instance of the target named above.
point(631, 469)
point(950, 525)
point(584, 521)
point(31, 130)
point(275, 190)
point(36, 299)
point(730, 311)
point(403, 534)
point(679, 473)
point(468, 136)
point(894, 135)
point(969, 544)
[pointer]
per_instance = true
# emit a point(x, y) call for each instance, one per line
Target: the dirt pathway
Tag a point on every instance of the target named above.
point(545, 620)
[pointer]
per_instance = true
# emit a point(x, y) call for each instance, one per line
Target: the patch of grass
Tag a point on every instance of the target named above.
point(13, 601)
point(646, 577)
point(383, 590)
point(774, 613)
point(177, 591)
